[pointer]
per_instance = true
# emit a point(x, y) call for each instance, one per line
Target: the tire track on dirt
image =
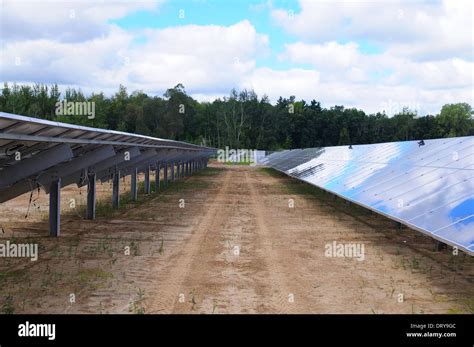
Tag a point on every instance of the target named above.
point(170, 283)
point(280, 293)
point(223, 281)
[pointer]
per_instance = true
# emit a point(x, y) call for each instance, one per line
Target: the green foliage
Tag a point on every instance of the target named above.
point(8, 305)
point(137, 305)
point(344, 138)
point(242, 120)
point(455, 120)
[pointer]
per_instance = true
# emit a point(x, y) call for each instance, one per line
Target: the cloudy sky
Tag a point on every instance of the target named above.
point(373, 55)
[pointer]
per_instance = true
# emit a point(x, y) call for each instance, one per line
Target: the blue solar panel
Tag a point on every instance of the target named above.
point(428, 186)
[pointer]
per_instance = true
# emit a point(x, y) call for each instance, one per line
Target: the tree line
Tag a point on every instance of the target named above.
point(241, 120)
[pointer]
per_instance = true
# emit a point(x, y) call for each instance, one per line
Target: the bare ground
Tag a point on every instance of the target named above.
point(235, 246)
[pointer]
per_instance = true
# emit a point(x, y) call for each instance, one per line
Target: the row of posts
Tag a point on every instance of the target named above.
point(176, 170)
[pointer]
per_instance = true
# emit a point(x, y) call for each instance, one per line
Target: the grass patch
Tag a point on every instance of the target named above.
point(301, 188)
point(136, 306)
point(8, 306)
point(104, 208)
point(470, 305)
point(245, 162)
point(209, 171)
point(271, 172)
point(88, 275)
point(293, 186)
point(17, 275)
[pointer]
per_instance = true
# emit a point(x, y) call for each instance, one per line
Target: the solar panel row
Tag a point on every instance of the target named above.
point(41, 153)
point(427, 185)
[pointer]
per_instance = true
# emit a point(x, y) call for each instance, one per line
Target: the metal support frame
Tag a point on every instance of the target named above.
point(143, 158)
point(116, 189)
point(71, 170)
point(35, 164)
point(157, 177)
point(91, 195)
point(134, 185)
point(147, 180)
point(55, 208)
point(82, 155)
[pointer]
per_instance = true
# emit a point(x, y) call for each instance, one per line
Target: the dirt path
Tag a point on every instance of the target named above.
point(232, 239)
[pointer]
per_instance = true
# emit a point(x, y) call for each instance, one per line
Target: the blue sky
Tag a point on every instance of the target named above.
point(225, 13)
point(372, 55)
point(221, 13)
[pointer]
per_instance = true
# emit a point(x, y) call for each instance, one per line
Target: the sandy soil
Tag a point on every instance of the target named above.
point(226, 241)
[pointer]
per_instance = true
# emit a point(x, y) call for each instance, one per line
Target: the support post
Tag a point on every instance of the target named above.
point(157, 177)
point(178, 171)
point(116, 189)
point(147, 180)
point(55, 208)
point(133, 185)
point(172, 171)
point(91, 196)
point(165, 173)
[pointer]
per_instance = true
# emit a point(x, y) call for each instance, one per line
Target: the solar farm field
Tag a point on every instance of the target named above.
point(229, 239)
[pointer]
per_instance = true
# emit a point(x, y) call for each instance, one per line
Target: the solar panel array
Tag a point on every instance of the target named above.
point(48, 150)
point(50, 155)
point(427, 185)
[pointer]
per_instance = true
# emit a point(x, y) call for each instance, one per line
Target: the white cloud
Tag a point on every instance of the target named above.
point(427, 60)
point(417, 29)
point(207, 59)
point(346, 62)
point(76, 63)
point(274, 83)
point(69, 21)
point(203, 57)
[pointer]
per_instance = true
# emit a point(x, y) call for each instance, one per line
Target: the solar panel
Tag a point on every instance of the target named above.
point(428, 185)
point(40, 153)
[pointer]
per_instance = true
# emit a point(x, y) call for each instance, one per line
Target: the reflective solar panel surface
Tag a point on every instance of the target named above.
point(427, 187)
